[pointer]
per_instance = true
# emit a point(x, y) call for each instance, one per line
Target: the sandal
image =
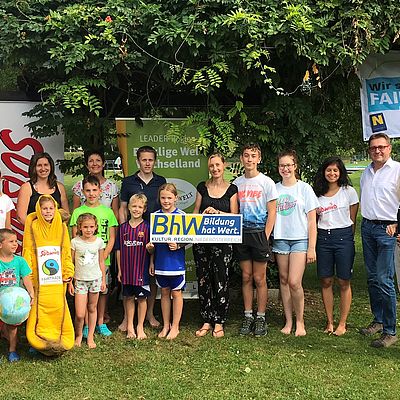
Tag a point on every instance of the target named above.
point(203, 331)
point(219, 333)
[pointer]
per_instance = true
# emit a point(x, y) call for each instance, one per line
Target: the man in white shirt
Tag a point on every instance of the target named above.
point(380, 198)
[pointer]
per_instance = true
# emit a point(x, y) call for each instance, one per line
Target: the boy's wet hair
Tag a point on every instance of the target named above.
point(5, 232)
point(93, 180)
point(252, 147)
point(146, 149)
point(85, 217)
point(138, 196)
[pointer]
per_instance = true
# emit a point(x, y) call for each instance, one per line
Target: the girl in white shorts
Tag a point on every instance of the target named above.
point(88, 257)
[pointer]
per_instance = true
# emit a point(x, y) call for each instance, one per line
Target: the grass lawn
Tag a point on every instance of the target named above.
point(316, 366)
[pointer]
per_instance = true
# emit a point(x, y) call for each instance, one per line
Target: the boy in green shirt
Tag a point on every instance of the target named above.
point(107, 224)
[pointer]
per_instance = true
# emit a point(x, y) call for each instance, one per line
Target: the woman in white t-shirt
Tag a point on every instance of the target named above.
point(335, 244)
point(295, 234)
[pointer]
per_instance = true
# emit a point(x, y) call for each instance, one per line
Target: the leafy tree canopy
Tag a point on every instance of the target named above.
point(277, 72)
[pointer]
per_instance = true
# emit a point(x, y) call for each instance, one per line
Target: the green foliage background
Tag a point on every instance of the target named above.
point(234, 68)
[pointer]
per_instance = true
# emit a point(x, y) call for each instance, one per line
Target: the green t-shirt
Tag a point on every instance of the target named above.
point(11, 272)
point(105, 220)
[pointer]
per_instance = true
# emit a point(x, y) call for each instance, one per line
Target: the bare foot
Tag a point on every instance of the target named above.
point(91, 344)
point(287, 329)
point(153, 322)
point(329, 328)
point(131, 334)
point(106, 318)
point(300, 329)
point(141, 334)
point(123, 326)
point(78, 341)
point(173, 333)
point(164, 332)
point(340, 330)
point(203, 330)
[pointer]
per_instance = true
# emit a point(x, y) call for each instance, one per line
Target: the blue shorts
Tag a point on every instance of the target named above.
point(174, 282)
point(284, 246)
point(136, 291)
point(335, 248)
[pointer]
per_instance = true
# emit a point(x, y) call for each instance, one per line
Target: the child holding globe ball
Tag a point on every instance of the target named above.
point(12, 269)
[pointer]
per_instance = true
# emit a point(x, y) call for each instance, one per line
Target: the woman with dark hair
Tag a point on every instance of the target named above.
point(337, 215)
point(42, 180)
point(215, 196)
point(95, 162)
point(295, 234)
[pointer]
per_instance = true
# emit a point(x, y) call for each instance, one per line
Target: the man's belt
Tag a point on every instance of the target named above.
point(380, 221)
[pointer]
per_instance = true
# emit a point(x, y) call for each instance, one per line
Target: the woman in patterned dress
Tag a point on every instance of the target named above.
point(214, 196)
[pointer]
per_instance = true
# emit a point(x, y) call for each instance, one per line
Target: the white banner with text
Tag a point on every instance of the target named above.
point(380, 94)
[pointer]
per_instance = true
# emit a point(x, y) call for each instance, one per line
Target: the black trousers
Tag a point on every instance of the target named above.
point(212, 269)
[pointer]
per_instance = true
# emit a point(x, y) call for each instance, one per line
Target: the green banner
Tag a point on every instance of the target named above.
point(177, 160)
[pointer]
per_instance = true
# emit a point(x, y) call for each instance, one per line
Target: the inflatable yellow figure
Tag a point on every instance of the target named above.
point(47, 249)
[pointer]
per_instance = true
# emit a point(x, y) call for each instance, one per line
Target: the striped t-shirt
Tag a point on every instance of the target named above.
point(134, 258)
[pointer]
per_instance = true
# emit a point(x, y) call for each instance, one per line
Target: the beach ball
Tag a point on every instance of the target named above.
point(14, 305)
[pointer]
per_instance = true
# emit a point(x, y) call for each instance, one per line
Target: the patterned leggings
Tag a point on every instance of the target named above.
point(212, 268)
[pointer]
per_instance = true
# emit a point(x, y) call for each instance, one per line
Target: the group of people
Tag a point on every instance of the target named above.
point(292, 221)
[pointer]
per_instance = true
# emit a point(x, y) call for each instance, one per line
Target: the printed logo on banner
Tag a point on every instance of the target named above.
point(49, 265)
point(186, 192)
point(383, 94)
point(380, 94)
point(378, 123)
point(195, 228)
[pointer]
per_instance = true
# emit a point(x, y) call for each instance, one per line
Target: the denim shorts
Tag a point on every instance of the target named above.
point(284, 246)
point(335, 250)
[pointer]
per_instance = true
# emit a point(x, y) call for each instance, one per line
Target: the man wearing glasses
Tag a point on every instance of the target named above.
point(380, 198)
